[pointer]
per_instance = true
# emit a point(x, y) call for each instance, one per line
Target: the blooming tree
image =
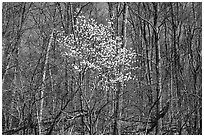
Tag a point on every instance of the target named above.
point(96, 47)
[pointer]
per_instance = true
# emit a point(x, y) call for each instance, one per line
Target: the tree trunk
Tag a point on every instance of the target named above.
point(157, 54)
point(41, 96)
point(120, 84)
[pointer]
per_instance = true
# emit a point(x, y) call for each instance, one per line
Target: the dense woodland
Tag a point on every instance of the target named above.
point(101, 68)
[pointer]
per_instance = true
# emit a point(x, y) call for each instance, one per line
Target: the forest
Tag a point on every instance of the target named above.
point(102, 68)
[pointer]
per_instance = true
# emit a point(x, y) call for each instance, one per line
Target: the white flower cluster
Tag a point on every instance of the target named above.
point(95, 46)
